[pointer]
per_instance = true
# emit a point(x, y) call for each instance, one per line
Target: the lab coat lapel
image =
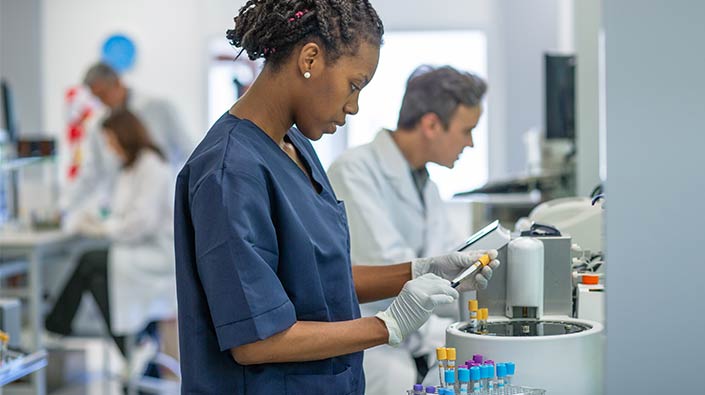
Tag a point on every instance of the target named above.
point(396, 169)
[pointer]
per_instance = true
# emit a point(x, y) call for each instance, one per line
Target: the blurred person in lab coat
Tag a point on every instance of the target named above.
point(395, 210)
point(99, 168)
point(133, 281)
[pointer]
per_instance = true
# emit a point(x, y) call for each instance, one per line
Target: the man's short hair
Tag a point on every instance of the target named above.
point(439, 91)
point(100, 72)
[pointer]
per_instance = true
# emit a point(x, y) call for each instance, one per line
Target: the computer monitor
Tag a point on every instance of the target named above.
point(8, 111)
point(560, 96)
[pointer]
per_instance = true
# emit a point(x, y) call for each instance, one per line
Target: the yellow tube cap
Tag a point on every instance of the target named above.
point(441, 354)
point(451, 354)
point(472, 305)
point(485, 260)
point(484, 314)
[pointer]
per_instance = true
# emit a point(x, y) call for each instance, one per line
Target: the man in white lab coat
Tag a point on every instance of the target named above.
point(98, 172)
point(396, 213)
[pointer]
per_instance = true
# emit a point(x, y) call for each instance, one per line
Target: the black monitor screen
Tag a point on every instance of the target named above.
point(7, 111)
point(560, 96)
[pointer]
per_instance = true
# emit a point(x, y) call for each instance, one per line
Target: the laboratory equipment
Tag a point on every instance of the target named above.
point(441, 356)
point(491, 237)
point(474, 268)
point(574, 216)
point(451, 360)
point(11, 320)
point(501, 370)
point(557, 278)
point(450, 379)
point(590, 299)
point(541, 347)
point(525, 278)
point(463, 380)
point(530, 295)
point(475, 377)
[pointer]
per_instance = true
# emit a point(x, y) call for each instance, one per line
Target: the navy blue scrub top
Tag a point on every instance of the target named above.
point(258, 248)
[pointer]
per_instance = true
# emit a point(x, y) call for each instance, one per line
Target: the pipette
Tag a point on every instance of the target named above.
point(482, 262)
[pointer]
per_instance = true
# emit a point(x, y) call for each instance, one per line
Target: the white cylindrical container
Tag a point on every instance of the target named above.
point(525, 278)
point(559, 354)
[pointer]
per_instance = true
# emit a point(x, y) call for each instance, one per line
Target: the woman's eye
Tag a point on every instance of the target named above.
point(353, 88)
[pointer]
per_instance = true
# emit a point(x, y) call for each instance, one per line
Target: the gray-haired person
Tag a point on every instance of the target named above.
point(396, 213)
point(99, 168)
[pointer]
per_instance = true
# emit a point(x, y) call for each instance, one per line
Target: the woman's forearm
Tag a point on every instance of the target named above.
point(312, 341)
point(380, 282)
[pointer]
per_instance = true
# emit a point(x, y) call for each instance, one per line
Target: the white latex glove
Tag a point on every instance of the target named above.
point(414, 305)
point(91, 226)
point(451, 265)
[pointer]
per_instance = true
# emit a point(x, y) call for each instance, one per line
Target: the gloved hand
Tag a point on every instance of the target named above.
point(91, 226)
point(449, 266)
point(414, 305)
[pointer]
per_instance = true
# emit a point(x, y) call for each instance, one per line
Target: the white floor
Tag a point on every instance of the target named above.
point(102, 364)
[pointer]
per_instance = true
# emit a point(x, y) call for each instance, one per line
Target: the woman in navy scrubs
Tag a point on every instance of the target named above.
point(267, 297)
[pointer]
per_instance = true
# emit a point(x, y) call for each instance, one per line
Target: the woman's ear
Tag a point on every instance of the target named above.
point(310, 60)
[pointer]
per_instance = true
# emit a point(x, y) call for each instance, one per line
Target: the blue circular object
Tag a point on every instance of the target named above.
point(119, 52)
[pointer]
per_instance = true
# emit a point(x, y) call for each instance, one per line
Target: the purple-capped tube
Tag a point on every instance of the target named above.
point(478, 358)
point(430, 390)
point(418, 389)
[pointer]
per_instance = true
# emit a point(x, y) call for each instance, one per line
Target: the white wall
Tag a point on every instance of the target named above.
point(655, 189)
point(171, 54)
point(587, 27)
point(528, 29)
point(20, 59)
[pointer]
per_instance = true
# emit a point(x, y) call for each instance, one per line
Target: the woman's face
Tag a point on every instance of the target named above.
point(333, 91)
point(114, 145)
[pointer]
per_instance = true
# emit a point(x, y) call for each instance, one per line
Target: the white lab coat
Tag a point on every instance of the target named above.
point(100, 168)
point(390, 224)
point(141, 277)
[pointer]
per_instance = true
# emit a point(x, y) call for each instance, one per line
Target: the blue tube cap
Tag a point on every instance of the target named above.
point(463, 375)
point(487, 371)
point(450, 376)
point(510, 368)
point(475, 373)
point(501, 370)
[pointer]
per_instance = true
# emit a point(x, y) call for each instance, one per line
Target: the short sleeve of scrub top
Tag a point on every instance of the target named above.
point(258, 248)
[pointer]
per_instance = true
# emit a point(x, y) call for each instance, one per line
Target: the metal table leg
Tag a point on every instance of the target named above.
point(36, 320)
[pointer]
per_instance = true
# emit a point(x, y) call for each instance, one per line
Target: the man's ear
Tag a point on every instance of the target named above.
point(431, 125)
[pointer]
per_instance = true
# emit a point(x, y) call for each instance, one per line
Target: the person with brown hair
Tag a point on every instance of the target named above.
point(133, 280)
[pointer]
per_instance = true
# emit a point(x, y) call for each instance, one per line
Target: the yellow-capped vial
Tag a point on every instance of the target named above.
point(450, 352)
point(441, 354)
point(472, 306)
point(484, 314)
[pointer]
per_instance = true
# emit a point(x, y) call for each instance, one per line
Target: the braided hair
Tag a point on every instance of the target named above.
point(271, 29)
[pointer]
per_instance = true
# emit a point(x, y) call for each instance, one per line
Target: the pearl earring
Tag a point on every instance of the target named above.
point(307, 75)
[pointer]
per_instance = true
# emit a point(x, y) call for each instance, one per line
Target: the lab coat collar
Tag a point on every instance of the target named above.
point(395, 168)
